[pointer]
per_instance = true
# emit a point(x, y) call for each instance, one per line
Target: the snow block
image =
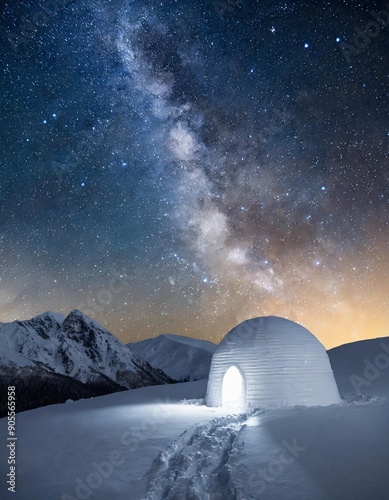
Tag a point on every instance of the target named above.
point(281, 364)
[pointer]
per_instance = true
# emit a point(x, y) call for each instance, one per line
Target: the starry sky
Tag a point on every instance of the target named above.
point(181, 166)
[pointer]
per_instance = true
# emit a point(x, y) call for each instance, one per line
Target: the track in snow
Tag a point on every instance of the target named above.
point(196, 465)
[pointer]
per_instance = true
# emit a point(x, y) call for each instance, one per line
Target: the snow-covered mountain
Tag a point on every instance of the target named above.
point(182, 358)
point(23, 343)
point(75, 348)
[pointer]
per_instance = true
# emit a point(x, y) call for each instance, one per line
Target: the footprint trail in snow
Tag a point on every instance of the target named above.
point(196, 466)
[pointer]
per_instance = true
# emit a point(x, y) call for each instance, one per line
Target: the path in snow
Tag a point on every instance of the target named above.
point(196, 466)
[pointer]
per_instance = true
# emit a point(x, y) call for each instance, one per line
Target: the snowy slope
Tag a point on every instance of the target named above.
point(328, 453)
point(145, 444)
point(362, 367)
point(75, 346)
point(60, 445)
point(181, 358)
point(12, 359)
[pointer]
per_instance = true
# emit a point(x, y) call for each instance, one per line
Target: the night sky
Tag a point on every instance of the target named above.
point(180, 166)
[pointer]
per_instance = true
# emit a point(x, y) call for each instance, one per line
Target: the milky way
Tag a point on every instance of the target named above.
point(182, 166)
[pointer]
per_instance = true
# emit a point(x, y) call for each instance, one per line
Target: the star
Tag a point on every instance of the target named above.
point(199, 161)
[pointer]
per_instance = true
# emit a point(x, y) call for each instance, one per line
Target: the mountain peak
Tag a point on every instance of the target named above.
point(58, 317)
point(76, 320)
point(74, 313)
point(75, 346)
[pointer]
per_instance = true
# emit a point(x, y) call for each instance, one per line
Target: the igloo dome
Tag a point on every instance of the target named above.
point(270, 362)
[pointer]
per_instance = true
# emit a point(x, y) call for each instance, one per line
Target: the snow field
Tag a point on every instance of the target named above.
point(196, 465)
point(99, 448)
point(150, 444)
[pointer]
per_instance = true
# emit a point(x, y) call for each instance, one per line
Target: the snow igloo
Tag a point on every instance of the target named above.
point(270, 362)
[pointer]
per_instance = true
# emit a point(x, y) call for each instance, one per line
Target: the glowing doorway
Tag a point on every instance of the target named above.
point(233, 391)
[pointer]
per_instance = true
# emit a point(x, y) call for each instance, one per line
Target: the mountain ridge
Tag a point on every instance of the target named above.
point(182, 358)
point(73, 346)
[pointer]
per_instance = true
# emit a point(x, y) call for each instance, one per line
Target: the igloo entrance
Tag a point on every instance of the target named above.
point(233, 388)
